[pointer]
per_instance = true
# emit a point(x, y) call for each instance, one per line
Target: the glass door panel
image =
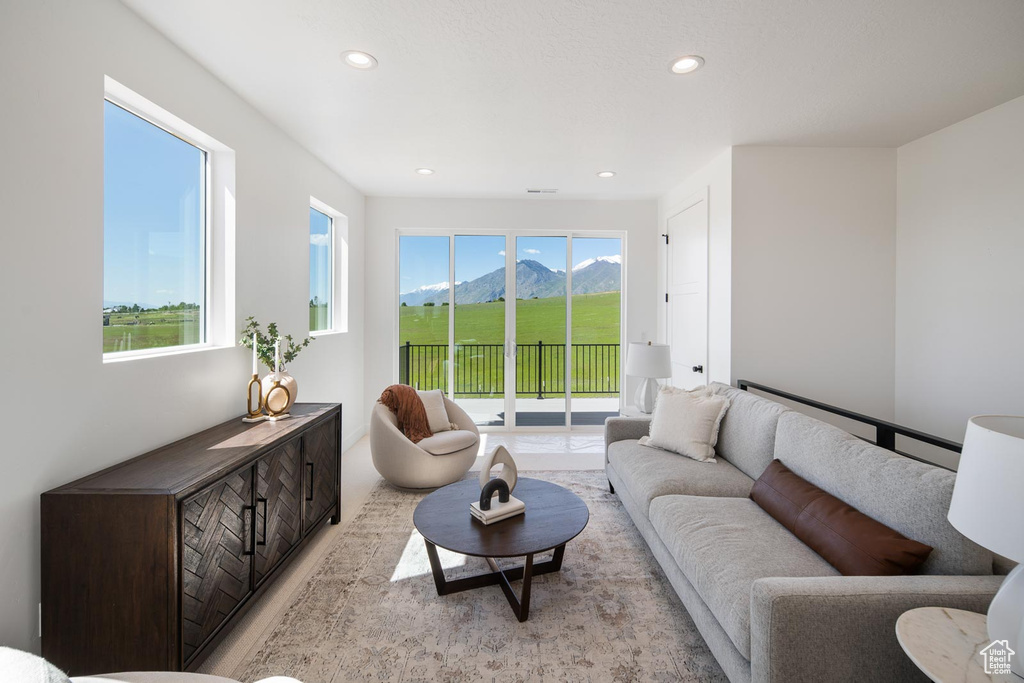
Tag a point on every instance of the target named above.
point(478, 367)
point(540, 331)
point(596, 325)
point(423, 272)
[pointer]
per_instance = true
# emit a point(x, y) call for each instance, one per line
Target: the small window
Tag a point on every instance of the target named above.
point(321, 271)
point(154, 236)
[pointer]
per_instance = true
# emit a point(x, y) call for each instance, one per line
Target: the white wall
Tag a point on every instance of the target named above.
point(67, 413)
point(960, 273)
point(813, 286)
point(716, 179)
point(385, 215)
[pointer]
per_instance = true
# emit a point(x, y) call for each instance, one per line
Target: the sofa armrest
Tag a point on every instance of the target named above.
point(844, 628)
point(622, 428)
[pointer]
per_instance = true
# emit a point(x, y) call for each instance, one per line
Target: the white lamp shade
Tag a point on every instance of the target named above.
point(649, 360)
point(988, 497)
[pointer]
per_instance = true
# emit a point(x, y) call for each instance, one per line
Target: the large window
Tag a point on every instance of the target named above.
point(321, 271)
point(154, 236)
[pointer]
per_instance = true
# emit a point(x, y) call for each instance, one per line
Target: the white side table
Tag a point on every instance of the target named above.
point(946, 644)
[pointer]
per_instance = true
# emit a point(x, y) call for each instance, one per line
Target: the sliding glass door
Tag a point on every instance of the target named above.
point(596, 328)
point(540, 324)
point(479, 337)
point(488, 318)
point(423, 329)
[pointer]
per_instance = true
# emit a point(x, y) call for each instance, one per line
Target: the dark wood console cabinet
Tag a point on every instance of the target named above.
point(145, 565)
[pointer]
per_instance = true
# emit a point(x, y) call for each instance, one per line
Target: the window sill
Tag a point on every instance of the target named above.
point(327, 333)
point(126, 356)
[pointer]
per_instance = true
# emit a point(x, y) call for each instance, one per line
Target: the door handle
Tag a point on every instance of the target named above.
point(698, 368)
point(252, 531)
point(263, 534)
point(309, 497)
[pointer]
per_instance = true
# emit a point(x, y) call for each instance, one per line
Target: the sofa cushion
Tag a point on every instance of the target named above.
point(444, 443)
point(651, 472)
point(723, 545)
point(747, 435)
point(909, 496)
point(848, 539)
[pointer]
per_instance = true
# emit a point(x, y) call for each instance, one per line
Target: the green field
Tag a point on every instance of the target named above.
point(318, 317)
point(149, 330)
point(480, 371)
point(595, 320)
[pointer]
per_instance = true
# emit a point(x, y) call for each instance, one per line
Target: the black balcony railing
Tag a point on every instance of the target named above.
point(479, 369)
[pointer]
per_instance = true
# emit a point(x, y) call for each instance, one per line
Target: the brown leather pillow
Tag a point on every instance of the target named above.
point(847, 539)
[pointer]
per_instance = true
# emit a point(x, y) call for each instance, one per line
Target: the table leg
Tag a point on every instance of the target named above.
point(435, 568)
point(498, 576)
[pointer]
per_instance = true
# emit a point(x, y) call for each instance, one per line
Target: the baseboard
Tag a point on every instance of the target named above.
point(351, 439)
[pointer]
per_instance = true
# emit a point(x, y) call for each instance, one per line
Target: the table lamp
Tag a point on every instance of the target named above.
point(988, 508)
point(652, 362)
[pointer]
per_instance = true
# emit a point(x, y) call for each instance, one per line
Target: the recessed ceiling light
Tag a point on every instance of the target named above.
point(605, 174)
point(425, 171)
point(359, 60)
point(686, 65)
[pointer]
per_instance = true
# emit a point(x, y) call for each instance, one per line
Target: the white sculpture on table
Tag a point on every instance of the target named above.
point(486, 510)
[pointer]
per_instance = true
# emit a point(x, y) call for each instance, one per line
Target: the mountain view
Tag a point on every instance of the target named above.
point(534, 281)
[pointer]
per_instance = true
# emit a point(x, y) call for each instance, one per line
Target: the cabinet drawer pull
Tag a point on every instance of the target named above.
point(263, 534)
point(309, 496)
point(252, 531)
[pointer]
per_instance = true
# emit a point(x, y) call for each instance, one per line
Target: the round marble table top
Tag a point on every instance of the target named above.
point(946, 644)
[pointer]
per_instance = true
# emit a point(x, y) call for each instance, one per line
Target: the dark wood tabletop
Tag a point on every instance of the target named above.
point(554, 515)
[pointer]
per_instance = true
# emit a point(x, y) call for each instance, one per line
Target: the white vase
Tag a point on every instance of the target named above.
point(276, 403)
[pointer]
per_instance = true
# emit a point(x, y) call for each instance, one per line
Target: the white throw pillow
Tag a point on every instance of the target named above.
point(437, 416)
point(687, 422)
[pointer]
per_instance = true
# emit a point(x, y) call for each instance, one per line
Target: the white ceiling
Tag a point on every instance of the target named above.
point(501, 95)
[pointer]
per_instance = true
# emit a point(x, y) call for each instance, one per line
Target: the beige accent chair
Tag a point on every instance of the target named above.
point(435, 461)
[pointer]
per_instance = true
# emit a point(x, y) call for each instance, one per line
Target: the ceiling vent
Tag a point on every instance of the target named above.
point(535, 190)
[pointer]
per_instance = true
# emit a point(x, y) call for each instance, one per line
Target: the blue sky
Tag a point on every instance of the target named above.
point(320, 262)
point(424, 259)
point(152, 214)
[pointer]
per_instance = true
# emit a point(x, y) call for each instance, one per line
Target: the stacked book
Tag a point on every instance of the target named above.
point(498, 511)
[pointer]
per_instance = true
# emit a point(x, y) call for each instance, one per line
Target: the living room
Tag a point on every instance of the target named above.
point(823, 200)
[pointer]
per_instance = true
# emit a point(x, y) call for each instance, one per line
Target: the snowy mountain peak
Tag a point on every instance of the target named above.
point(437, 287)
point(617, 259)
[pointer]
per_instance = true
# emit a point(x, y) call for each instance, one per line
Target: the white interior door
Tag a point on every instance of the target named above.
point(687, 279)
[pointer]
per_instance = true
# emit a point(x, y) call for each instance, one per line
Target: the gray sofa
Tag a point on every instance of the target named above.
point(768, 606)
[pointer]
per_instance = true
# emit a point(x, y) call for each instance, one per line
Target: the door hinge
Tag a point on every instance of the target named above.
point(666, 297)
point(665, 235)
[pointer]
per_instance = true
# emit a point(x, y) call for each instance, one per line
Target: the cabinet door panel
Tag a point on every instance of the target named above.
point(320, 464)
point(278, 506)
point(216, 563)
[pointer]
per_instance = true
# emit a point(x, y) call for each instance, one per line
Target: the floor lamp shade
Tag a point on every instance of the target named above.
point(650, 361)
point(988, 506)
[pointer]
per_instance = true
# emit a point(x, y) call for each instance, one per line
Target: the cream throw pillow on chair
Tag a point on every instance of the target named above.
point(437, 414)
point(687, 422)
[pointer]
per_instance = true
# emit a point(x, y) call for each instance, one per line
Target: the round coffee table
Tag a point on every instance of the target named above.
point(554, 516)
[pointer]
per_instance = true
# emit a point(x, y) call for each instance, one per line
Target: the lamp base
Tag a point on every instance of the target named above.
point(1006, 617)
point(646, 395)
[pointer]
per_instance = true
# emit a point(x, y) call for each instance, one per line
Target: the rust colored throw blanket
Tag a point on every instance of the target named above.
point(407, 406)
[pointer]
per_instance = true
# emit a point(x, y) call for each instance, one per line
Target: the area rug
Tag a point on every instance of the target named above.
point(369, 611)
